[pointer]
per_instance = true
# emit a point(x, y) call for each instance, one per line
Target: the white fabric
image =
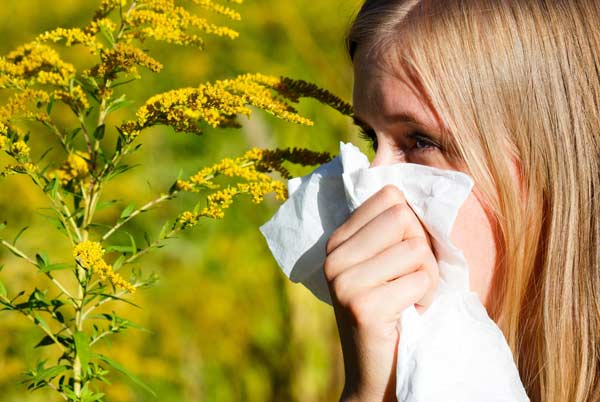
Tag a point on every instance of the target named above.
point(454, 351)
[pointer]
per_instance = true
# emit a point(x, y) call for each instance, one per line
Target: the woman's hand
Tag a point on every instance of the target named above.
point(378, 263)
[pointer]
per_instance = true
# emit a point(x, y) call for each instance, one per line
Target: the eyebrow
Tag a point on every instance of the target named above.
point(402, 117)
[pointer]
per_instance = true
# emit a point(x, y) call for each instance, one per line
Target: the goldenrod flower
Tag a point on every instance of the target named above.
point(219, 8)
point(22, 168)
point(21, 103)
point(123, 58)
point(216, 104)
point(20, 149)
point(89, 255)
point(73, 169)
point(75, 98)
point(34, 63)
point(164, 21)
point(296, 89)
point(71, 36)
point(251, 169)
point(4, 143)
point(187, 219)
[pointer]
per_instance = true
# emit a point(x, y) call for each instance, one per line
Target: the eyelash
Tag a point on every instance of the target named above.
point(369, 135)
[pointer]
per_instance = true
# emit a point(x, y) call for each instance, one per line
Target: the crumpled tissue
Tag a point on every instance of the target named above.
point(453, 351)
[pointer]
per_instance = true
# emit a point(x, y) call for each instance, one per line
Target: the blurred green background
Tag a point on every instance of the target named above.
point(224, 323)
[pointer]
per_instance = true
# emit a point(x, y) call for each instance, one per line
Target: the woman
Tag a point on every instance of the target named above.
point(507, 91)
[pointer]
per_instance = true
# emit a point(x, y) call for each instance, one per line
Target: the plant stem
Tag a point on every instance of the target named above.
point(79, 327)
point(32, 318)
point(141, 209)
point(21, 254)
point(101, 302)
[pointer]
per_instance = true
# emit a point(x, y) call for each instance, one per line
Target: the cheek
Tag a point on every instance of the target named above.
point(473, 234)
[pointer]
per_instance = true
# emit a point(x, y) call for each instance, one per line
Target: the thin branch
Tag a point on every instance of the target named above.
point(21, 254)
point(102, 335)
point(141, 209)
point(56, 389)
point(32, 318)
point(101, 302)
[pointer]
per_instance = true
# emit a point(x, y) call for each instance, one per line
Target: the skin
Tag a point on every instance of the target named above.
point(380, 261)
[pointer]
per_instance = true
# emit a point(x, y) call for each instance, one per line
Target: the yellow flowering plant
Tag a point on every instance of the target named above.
point(34, 79)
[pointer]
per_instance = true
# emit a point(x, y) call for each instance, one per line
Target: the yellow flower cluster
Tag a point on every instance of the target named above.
point(34, 63)
point(19, 104)
point(269, 160)
point(22, 168)
point(72, 36)
point(13, 143)
point(295, 89)
point(20, 149)
point(216, 104)
point(164, 21)
point(250, 168)
point(219, 8)
point(75, 168)
point(89, 255)
point(123, 58)
point(106, 6)
point(75, 98)
point(222, 199)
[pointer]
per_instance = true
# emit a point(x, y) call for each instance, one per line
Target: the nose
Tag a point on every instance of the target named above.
point(385, 156)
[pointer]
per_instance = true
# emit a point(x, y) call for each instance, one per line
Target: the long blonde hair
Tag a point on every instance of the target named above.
point(522, 76)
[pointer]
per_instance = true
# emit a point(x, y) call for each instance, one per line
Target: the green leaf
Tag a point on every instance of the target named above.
point(52, 187)
point(88, 395)
point(118, 103)
point(118, 262)
point(133, 245)
point(50, 104)
point(41, 322)
point(118, 84)
point(42, 374)
point(58, 223)
point(110, 296)
point(82, 348)
point(2, 290)
point(72, 135)
point(104, 204)
point(41, 259)
point(165, 228)
point(108, 35)
point(56, 267)
point(19, 235)
point(147, 239)
point(126, 372)
point(99, 131)
point(120, 170)
point(120, 249)
point(127, 211)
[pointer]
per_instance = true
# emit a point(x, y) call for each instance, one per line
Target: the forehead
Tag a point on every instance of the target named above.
point(381, 92)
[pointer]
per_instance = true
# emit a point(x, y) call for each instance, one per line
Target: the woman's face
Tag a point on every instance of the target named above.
point(407, 131)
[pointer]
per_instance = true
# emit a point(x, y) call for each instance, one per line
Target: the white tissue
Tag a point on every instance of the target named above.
point(454, 351)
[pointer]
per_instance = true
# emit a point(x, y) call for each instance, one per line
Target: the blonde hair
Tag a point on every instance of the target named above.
point(521, 76)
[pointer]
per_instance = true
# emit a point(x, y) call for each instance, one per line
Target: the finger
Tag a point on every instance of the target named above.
point(385, 303)
point(383, 199)
point(413, 254)
point(390, 227)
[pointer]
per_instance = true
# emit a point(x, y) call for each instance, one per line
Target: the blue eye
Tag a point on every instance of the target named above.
point(422, 142)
